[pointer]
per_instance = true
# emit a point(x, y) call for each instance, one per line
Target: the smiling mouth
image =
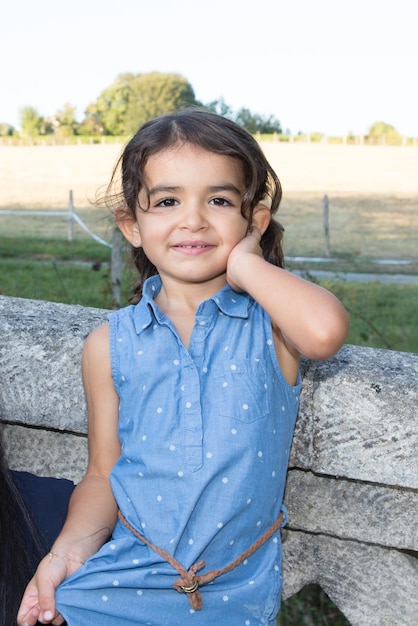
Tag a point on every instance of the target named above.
point(193, 248)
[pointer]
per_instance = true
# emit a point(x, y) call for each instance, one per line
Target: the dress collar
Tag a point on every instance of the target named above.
point(228, 301)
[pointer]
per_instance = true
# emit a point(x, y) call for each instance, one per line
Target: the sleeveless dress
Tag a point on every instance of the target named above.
point(205, 435)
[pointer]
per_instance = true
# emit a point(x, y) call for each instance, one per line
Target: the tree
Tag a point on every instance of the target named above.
point(109, 111)
point(6, 130)
point(133, 99)
point(381, 132)
point(252, 122)
point(65, 123)
point(91, 124)
point(48, 126)
point(156, 94)
point(30, 122)
point(220, 108)
point(270, 125)
point(255, 123)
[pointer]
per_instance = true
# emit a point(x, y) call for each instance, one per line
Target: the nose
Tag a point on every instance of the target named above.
point(193, 216)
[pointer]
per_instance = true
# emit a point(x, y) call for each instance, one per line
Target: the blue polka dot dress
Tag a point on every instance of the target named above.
point(206, 435)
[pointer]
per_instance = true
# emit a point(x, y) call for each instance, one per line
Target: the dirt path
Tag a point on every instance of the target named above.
point(366, 277)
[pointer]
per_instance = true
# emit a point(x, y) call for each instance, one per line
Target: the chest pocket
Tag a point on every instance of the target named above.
point(241, 389)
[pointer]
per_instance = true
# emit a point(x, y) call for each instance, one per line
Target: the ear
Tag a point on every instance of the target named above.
point(261, 217)
point(128, 227)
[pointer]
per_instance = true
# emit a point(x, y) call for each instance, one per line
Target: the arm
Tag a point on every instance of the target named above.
point(306, 318)
point(92, 511)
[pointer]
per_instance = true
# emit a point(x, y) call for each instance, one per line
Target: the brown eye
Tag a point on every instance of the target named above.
point(163, 205)
point(221, 202)
point(168, 202)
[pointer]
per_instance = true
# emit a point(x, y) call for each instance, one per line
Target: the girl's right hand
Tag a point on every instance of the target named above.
point(38, 602)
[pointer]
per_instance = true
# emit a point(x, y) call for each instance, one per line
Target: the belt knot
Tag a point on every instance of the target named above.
point(189, 584)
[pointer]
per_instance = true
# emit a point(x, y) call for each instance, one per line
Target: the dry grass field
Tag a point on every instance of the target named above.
point(373, 191)
point(41, 176)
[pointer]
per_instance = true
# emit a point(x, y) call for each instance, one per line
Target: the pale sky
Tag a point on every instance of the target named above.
point(329, 66)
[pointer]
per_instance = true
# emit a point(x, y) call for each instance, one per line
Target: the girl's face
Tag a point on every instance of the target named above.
point(193, 219)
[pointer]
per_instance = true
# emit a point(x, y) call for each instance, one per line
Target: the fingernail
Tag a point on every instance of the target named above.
point(48, 615)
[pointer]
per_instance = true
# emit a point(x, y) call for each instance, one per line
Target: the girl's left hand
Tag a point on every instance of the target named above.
point(249, 245)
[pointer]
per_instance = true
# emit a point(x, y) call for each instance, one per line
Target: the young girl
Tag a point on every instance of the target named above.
point(192, 395)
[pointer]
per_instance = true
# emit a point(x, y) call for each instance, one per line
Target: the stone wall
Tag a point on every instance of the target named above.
point(352, 488)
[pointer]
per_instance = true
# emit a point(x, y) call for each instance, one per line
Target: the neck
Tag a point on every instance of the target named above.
point(180, 304)
point(180, 299)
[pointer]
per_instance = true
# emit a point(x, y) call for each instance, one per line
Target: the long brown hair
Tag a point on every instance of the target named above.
point(210, 132)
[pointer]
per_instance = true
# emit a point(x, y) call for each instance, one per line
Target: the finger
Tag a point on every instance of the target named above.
point(48, 612)
point(255, 231)
point(29, 607)
point(28, 617)
point(50, 574)
point(46, 617)
point(58, 620)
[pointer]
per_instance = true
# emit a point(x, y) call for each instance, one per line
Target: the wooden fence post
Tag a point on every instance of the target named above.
point(326, 226)
point(70, 216)
point(116, 267)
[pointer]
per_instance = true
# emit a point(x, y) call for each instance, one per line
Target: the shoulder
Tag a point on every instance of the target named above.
point(98, 339)
point(96, 350)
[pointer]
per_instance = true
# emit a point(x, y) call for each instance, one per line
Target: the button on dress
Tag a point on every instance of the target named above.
point(205, 435)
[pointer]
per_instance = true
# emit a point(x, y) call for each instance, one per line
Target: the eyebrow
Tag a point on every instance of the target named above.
point(212, 189)
point(163, 189)
point(226, 187)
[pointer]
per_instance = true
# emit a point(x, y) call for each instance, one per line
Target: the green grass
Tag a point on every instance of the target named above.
point(35, 249)
point(310, 607)
point(382, 315)
point(59, 271)
point(55, 281)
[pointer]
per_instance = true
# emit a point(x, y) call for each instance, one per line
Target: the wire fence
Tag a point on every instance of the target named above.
point(320, 231)
point(70, 214)
point(72, 218)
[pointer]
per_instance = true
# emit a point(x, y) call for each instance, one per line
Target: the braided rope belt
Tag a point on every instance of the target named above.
point(190, 581)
